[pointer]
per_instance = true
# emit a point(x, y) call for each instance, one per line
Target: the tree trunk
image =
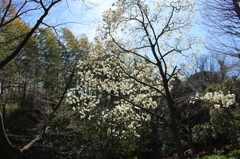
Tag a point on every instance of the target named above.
point(175, 132)
point(171, 107)
point(12, 152)
point(23, 101)
point(190, 138)
point(173, 119)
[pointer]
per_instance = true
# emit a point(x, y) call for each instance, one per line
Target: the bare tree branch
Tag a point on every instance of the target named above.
point(22, 44)
point(222, 18)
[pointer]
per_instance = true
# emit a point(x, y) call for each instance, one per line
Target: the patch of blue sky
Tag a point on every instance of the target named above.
point(82, 18)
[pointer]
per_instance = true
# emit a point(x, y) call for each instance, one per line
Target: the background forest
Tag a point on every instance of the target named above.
point(141, 90)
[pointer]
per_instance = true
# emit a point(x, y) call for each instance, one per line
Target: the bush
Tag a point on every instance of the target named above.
point(232, 155)
point(214, 157)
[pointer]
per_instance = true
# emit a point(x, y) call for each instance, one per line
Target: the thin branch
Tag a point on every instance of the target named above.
point(43, 6)
point(64, 93)
point(26, 147)
point(22, 44)
point(172, 74)
point(148, 35)
point(144, 83)
point(130, 51)
point(163, 31)
point(17, 15)
point(5, 14)
point(144, 109)
point(29, 145)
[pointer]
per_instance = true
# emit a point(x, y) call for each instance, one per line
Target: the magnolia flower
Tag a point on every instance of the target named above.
point(217, 106)
point(218, 98)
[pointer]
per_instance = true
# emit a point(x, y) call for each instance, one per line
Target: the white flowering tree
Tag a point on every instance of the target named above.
point(107, 89)
point(134, 29)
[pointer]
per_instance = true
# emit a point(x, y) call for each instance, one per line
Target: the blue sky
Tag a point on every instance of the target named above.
point(79, 17)
point(86, 19)
point(82, 18)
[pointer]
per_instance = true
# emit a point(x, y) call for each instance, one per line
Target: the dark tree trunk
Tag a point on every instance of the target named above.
point(175, 131)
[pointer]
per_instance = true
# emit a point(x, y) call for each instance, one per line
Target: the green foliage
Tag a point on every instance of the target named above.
point(232, 155)
point(23, 121)
point(231, 84)
point(214, 157)
point(226, 121)
point(97, 138)
point(11, 108)
point(235, 154)
point(201, 80)
point(59, 123)
point(202, 133)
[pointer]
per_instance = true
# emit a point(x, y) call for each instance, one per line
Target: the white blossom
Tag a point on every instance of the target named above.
point(121, 73)
point(219, 99)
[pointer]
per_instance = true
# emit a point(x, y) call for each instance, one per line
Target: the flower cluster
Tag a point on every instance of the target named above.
point(127, 82)
point(219, 99)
